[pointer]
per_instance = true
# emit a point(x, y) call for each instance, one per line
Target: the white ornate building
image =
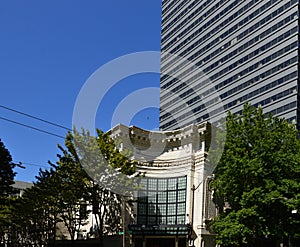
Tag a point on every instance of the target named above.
point(175, 200)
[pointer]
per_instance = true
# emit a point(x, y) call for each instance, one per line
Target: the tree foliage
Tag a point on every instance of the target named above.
point(108, 168)
point(73, 196)
point(35, 213)
point(257, 180)
point(57, 200)
point(6, 172)
point(60, 196)
point(6, 191)
point(103, 161)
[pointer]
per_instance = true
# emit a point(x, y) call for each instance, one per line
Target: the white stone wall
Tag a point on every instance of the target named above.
point(182, 154)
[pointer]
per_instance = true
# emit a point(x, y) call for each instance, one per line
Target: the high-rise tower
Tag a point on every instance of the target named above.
point(218, 54)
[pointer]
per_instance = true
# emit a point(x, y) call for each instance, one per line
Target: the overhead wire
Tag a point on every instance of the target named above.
point(31, 127)
point(34, 117)
point(44, 131)
point(30, 164)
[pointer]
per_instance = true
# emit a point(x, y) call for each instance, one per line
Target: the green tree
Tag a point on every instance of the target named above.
point(36, 212)
point(109, 169)
point(73, 196)
point(6, 191)
point(57, 200)
point(60, 195)
point(6, 172)
point(257, 181)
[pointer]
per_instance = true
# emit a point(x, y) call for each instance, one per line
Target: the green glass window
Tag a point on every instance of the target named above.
point(162, 201)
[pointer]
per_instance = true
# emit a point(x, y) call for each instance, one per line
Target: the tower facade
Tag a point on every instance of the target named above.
point(217, 55)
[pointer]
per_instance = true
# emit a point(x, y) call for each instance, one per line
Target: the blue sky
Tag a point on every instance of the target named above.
point(48, 51)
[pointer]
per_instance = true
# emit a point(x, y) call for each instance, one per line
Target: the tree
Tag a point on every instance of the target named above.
point(109, 169)
point(73, 195)
point(6, 172)
point(36, 212)
point(257, 182)
point(58, 197)
point(6, 190)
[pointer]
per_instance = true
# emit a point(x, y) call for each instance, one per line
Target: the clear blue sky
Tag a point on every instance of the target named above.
point(48, 49)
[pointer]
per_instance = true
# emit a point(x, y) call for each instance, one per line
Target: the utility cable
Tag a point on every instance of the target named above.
point(36, 118)
point(30, 127)
point(30, 164)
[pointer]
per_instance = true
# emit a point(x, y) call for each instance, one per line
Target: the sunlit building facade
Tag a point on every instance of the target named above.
point(174, 200)
point(217, 55)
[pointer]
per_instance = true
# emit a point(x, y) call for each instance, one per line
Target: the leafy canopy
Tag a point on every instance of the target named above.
point(6, 172)
point(257, 179)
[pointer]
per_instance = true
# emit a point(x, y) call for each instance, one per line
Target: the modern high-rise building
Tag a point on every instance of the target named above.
point(217, 55)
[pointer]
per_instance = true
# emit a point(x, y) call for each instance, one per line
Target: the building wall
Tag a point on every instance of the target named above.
point(20, 186)
point(184, 154)
point(216, 55)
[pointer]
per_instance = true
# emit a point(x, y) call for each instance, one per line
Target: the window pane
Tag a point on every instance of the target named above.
point(161, 219)
point(152, 220)
point(141, 219)
point(142, 199)
point(162, 209)
point(152, 184)
point(142, 193)
point(162, 184)
point(151, 209)
point(171, 220)
point(182, 183)
point(171, 209)
point(143, 183)
point(172, 196)
point(142, 209)
point(181, 208)
point(162, 197)
point(180, 219)
point(181, 196)
point(172, 184)
point(152, 198)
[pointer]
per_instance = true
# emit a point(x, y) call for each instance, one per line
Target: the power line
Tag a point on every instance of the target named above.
point(30, 164)
point(44, 131)
point(34, 117)
point(30, 127)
